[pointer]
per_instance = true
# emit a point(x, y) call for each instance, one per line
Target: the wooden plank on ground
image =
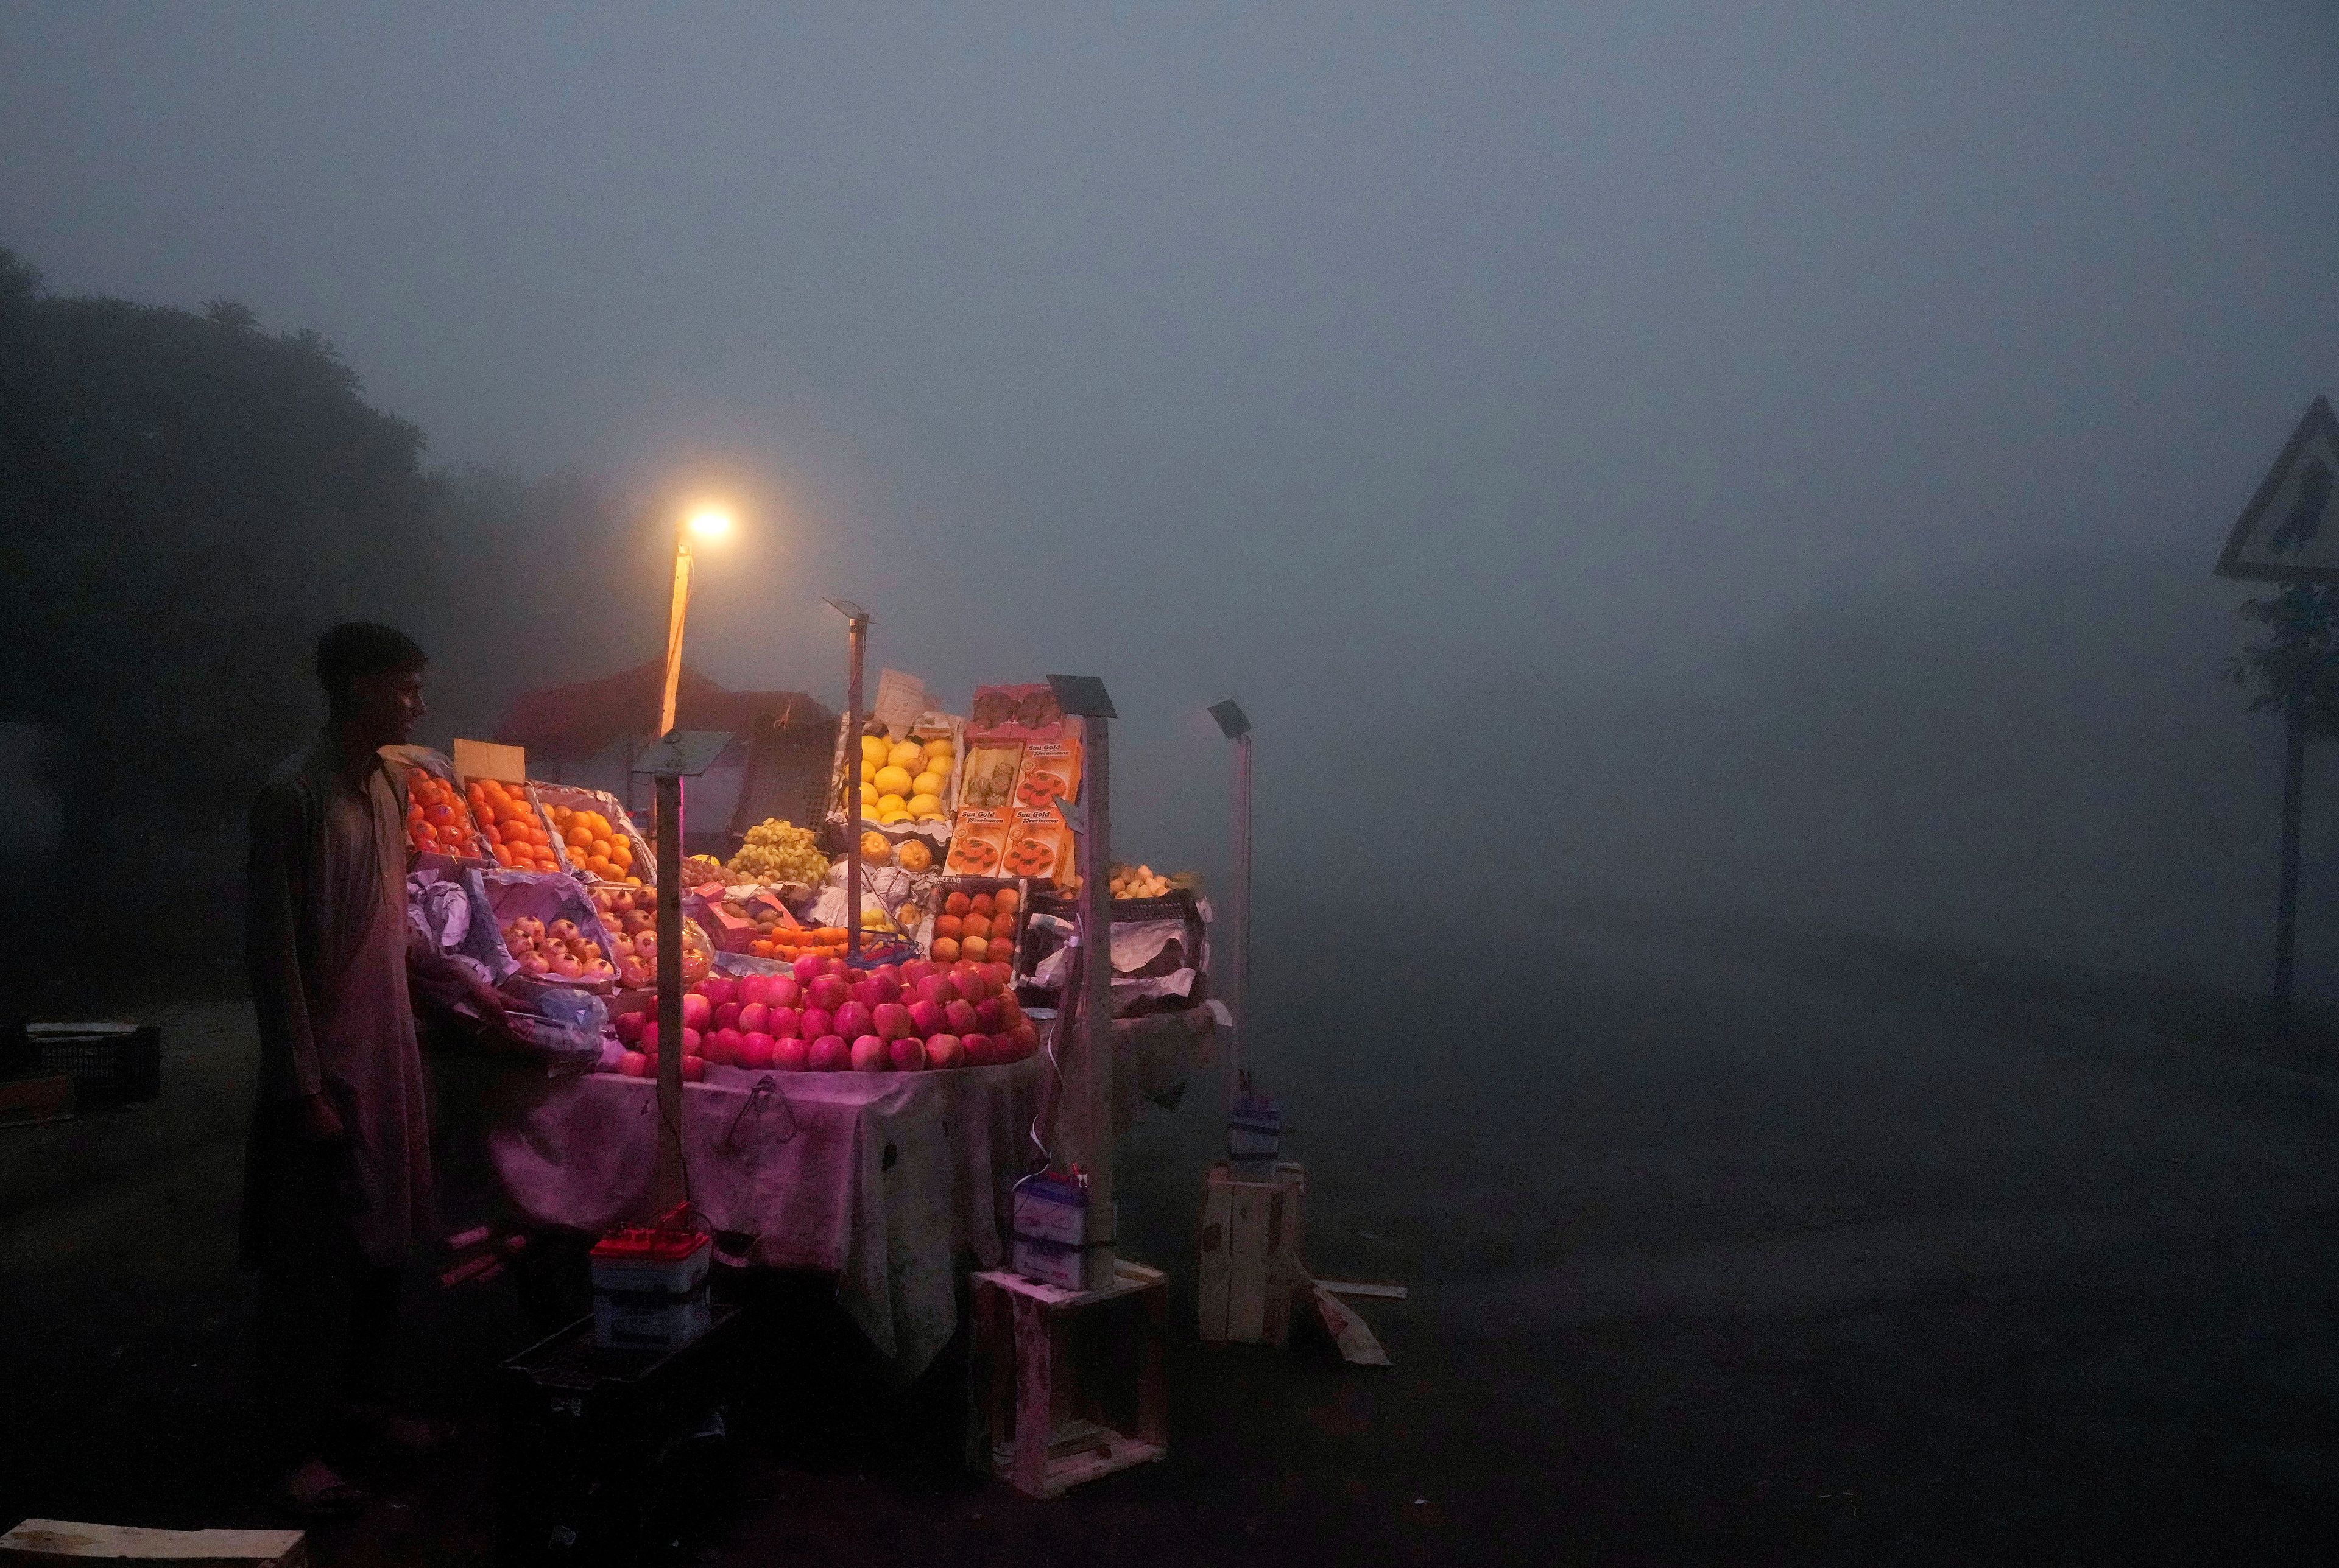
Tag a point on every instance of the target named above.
point(1362, 1288)
point(60, 1540)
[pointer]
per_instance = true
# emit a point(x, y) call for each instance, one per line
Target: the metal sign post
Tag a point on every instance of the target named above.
point(2289, 533)
point(682, 754)
point(856, 642)
point(1235, 725)
point(1087, 1139)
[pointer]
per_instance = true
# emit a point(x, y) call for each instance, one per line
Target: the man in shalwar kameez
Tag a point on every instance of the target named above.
point(337, 1191)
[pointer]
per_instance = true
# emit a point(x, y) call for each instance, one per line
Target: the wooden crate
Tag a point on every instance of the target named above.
point(1072, 1381)
point(1251, 1267)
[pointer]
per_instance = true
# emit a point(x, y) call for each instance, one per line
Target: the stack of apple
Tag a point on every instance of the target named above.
point(557, 952)
point(822, 1016)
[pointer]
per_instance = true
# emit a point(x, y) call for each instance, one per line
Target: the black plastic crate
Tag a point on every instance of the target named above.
point(110, 1063)
point(608, 1455)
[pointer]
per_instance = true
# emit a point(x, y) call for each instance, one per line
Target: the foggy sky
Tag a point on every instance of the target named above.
point(1335, 356)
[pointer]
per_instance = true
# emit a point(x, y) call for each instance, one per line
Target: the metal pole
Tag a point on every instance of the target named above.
point(1238, 939)
point(676, 612)
point(856, 634)
point(670, 1180)
point(2294, 789)
point(1093, 1094)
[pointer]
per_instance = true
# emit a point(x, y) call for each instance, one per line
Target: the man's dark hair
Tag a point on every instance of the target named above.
point(356, 649)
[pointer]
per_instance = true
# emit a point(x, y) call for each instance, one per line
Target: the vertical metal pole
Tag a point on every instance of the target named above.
point(857, 634)
point(2293, 789)
point(677, 611)
point(1092, 1094)
point(670, 1182)
point(1238, 939)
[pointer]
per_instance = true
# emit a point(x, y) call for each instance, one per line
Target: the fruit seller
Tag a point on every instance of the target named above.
point(338, 1184)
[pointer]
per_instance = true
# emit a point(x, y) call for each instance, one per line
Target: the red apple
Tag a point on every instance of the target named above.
point(815, 1021)
point(828, 992)
point(628, 1026)
point(754, 988)
point(945, 1050)
point(916, 970)
point(694, 1068)
point(907, 1055)
point(753, 1018)
point(961, 1017)
point(727, 1015)
point(829, 1053)
point(1025, 1039)
point(634, 1064)
point(779, 1022)
point(890, 1020)
point(869, 1055)
point(981, 1051)
point(853, 1021)
point(755, 1051)
point(808, 967)
point(693, 1043)
point(937, 988)
point(782, 990)
point(649, 1035)
point(839, 969)
point(925, 1018)
point(788, 1055)
point(719, 989)
point(990, 1015)
point(696, 1010)
point(865, 991)
point(724, 1046)
point(888, 975)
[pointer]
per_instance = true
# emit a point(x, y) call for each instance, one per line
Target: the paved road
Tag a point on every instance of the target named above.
point(1746, 1257)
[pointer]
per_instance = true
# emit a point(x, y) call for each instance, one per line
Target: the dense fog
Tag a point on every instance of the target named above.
point(1623, 456)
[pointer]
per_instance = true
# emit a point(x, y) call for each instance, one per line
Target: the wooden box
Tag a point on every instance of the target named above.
point(1072, 1382)
point(1251, 1267)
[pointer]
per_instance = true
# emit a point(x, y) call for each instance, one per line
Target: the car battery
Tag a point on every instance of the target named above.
point(649, 1287)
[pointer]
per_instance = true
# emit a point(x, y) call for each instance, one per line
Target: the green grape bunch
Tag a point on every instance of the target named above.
point(779, 852)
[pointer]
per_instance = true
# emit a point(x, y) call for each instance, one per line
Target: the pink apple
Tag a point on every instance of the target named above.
point(865, 991)
point(730, 1040)
point(788, 1055)
point(1010, 1010)
point(925, 1018)
point(634, 1064)
point(815, 1021)
point(694, 1068)
point(828, 992)
point(628, 1026)
point(839, 969)
point(888, 974)
point(808, 967)
point(981, 1050)
point(754, 988)
point(718, 990)
point(1025, 1038)
point(961, 1017)
point(696, 1010)
point(853, 1021)
point(779, 1022)
point(782, 990)
point(869, 1055)
point(916, 970)
point(945, 1050)
point(755, 1051)
point(829, 1053)
point(890, 1020)
point(990, 1015)
point(1001, 973)
point(754, 1017)
point(907, 1055)
point(727, 1015)
point(937, 988)
point(649, 1035)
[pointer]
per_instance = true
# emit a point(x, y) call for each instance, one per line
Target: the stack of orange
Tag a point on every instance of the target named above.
point(595, 845)
point(437, 820)
point(514, 835)
point(789, 945)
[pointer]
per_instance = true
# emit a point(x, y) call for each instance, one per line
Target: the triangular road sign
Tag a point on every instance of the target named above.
point(2290, 530)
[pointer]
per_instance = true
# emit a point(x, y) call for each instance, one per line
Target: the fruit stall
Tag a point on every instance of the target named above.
point(863, 1086)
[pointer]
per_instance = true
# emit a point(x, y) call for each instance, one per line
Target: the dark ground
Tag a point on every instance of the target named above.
point(1726, 1245)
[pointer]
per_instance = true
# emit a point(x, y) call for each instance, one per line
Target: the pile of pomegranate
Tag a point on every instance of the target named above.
point(822, 1016)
